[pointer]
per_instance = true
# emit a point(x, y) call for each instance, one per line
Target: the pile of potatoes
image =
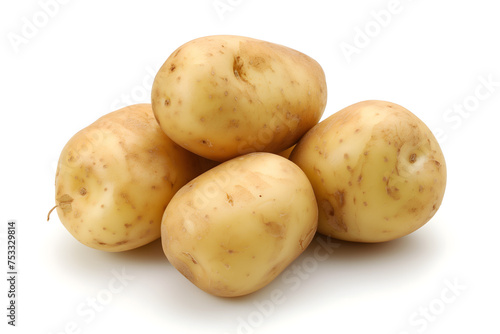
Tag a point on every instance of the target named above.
point(231, 167)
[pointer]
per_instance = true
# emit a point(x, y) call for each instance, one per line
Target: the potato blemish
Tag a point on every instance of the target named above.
point(191, 257)
point(275, 229)
point(230, 199)
point(331, 218)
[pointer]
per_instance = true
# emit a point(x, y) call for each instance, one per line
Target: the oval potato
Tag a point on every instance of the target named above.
point(115, 177)
point(233, 229)
point(377, 171)
point(224, 96)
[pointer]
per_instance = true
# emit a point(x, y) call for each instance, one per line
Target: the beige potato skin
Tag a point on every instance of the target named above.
point(233, 229)
point(224, 96)
point(377, 171)
point(115, 178)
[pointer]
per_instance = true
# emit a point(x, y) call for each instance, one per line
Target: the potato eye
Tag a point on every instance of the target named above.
point(413, 158)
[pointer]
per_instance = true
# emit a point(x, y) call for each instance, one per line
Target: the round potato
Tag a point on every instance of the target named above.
point(377, 171)
point(233, 229)
point(224, 96)
point(115, 178)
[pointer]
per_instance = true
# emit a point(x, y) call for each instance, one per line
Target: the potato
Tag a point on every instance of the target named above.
point(224, 96)
point(233, 229)
point(377, 171)
point(115, 178)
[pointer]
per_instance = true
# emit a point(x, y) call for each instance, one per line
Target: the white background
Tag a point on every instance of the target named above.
point(82, 59)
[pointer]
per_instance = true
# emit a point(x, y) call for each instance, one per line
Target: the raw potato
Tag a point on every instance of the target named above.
point(233, 229)
point(115, 178)
point(224, 96)
point(377, 171)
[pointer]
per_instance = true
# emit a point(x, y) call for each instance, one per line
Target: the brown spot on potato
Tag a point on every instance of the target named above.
point(172, 67)
point(339, 197)
point(413, 158)
point(167, 102)
point(127, 225)
point(127, 199)
point(275, 229)
point(191, 257)
point(238, 69)
point(83, 191)
point(333, 220)
point(234, 123)
point(393, 192)
point(229, 199)
point(183, 269)
point(206, 142)
point(346, 156)
point(64, 203)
